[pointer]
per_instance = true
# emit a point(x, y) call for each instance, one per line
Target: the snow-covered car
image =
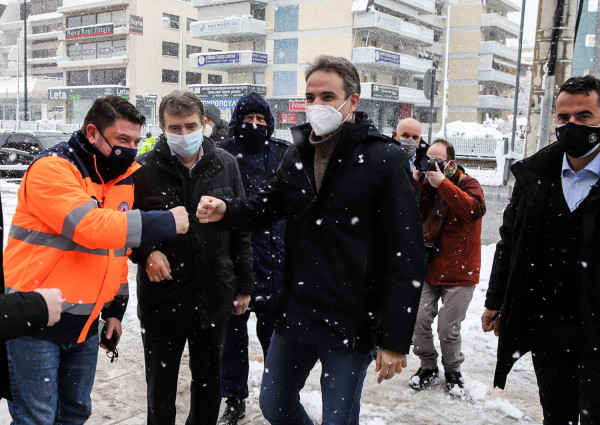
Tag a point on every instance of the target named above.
point(19, 148)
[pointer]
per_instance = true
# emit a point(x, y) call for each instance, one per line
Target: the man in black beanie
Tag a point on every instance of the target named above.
point(218, 127)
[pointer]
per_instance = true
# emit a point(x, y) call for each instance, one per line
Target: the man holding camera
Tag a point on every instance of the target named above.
point(452, 206)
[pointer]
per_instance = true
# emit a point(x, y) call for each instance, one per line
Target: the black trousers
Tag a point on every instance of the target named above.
point(235, 366)
point(560, 376)
point(162, 354)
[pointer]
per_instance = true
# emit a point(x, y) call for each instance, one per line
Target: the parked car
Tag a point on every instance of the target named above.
point(19, 148)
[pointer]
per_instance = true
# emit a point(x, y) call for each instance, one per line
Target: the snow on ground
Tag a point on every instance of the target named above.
point(119, 390)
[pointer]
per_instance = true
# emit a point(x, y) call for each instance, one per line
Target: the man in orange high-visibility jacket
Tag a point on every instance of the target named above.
point(73, 229)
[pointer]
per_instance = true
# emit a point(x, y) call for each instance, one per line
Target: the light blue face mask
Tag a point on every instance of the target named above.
point(185, 145)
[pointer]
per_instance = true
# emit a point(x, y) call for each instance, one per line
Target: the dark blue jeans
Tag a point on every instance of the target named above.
point(51, 382)
point(287, 366)
point(234, 362)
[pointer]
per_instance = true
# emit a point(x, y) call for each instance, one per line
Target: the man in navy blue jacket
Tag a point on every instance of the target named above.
point(258, 155)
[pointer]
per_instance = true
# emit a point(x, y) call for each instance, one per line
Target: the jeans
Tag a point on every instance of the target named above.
point(234, 362)
point(287, 366)
point(51, 382)
point(162, 354)
point(455, 302)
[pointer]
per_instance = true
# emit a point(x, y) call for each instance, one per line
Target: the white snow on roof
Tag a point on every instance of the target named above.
point(470, 129)
point(45, 16)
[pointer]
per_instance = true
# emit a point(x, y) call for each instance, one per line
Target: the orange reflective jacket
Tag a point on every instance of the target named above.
point(72, 231)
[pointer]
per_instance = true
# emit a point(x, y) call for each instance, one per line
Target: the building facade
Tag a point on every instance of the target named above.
point(586, 52)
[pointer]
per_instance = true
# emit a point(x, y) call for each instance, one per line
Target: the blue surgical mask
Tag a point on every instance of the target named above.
point(185, 145)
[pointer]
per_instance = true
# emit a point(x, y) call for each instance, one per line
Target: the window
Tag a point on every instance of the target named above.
point(88, 51)
point(193, 78)
point(284, 83)
point(170, 49)
point(189, 22)
point(87, 20)
point(119, 18)
point(73, 21)
point(104, 49)
point(286, 51)
point(74, 52)
point(590, 40)
point(104, 18)
point(215, 79)
point(119, 46)
point(286, 18)
point(192, 49)
point(592, 5)
point(173, 20)
point(170, 76)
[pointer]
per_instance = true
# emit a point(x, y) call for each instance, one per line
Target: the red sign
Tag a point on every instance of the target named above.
point(288, 117)
point(297, 105)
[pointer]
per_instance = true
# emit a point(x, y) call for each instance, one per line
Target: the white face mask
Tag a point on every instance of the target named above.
point(325, 119)
point(185, 145)
point(208, 130)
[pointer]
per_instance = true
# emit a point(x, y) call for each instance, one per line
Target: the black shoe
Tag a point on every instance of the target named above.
point(423, 378)
point(454, 381)
point(234, 411)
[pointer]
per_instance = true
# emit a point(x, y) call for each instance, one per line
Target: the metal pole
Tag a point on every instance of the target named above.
point(181, 30)
point(26, 111)
point(445, 95)
point(18, 81)
point(431, 101)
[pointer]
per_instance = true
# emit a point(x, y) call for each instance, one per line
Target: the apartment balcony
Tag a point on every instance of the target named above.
point(46, 18)
point(498, 77)
point(202, 3)
point(50, 36)
point(505, 5)
point(238, 61)
point(90, 5)
point(395, 94)
point(229, 30)
point(499, 50)
point(381, 26)
point(11, 26)
point(117, 58)
point(500, 23)
point(437, 21)
point(408, 6)
point(495, 102)
point(52, 61)
point(378, 60)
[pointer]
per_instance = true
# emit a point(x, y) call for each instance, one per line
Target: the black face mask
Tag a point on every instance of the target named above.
point(112, 166)
point(577, 140)
point(252, 136)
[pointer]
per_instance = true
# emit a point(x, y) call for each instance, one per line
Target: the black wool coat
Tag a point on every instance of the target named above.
point(514, 269)
point(354, 256)
point(209, 266)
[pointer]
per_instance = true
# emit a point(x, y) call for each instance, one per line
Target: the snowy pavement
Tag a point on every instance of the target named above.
point(119, 392)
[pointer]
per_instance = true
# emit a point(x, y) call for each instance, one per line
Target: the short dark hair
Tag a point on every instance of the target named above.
point(105, 111)
point(180, 103)
point(340, 66)
point(585, 84)
point(450, 153)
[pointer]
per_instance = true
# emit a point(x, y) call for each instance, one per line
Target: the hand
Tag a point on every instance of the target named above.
point(435, 177)
point(182, 220)
point(417, 174)
point(388, 364)
point(210, 209)
point(158, 267)
point(490, 320)
point(54, 300)
point(240, 305)
point(112, 325)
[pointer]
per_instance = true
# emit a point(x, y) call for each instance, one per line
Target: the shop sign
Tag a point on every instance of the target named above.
point(297, 105)
point(288, 117)
point(136, 24)
point(79, 93)
point(90, 31)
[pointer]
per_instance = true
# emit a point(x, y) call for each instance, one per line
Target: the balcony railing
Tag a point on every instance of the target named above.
point(493, 20)
point(243, 60)
point(372, 58)
point(497, 49)
point(495, 102)
point(388, 26)
point(497, 77)
point(229, 30)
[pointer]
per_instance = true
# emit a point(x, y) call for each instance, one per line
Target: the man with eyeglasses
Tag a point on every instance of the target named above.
point(452, 206)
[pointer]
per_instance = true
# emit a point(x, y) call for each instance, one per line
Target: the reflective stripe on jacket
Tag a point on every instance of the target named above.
point(72, 231)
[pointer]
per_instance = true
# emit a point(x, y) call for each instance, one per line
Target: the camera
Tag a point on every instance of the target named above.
point(425, 163)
